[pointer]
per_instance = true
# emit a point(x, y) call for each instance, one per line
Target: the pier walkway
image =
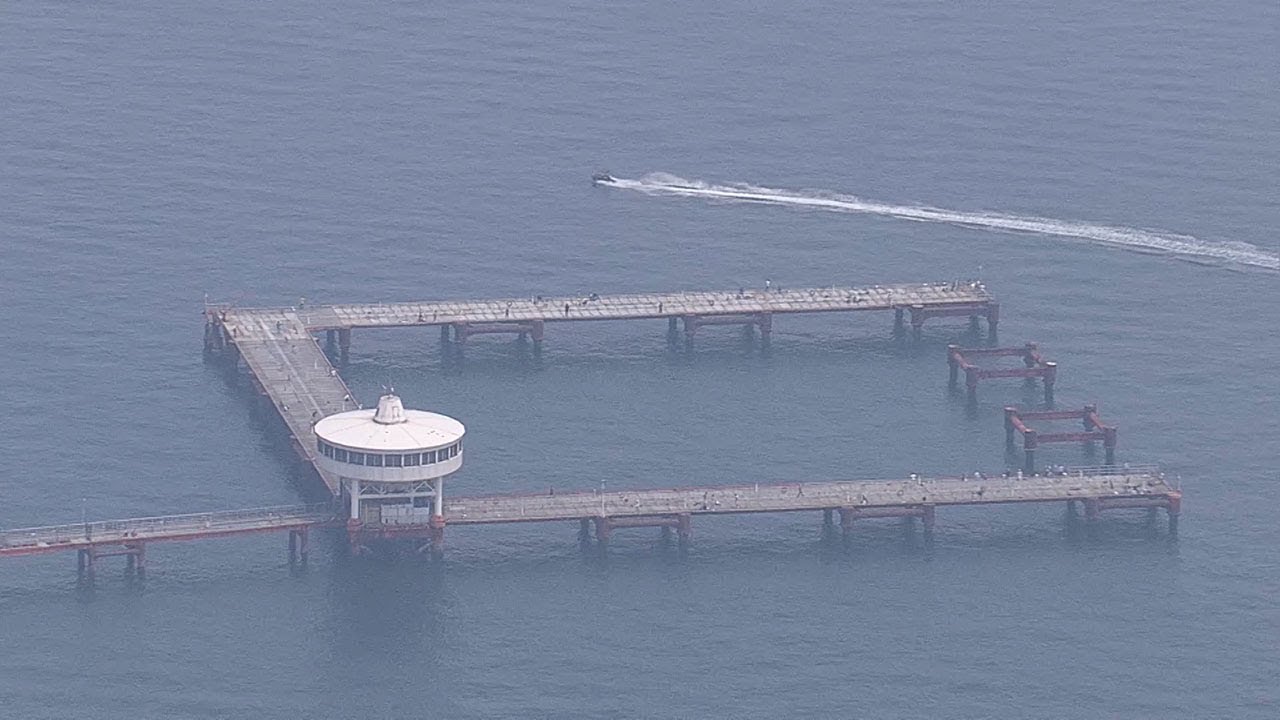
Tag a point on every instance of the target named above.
point(1094, 489)
point(1110, 488)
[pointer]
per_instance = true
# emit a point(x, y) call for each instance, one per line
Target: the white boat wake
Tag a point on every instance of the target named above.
point(1186, 246)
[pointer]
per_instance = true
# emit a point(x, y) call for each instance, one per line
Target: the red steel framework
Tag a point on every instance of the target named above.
point(1015, 422)
point(958, 358)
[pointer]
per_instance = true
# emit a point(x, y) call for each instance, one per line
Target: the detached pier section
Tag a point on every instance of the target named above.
point(1034, 366)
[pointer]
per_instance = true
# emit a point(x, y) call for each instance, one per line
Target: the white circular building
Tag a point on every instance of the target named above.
point(392, 462)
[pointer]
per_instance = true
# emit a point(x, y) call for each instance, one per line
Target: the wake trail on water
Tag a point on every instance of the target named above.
point(1185, 246)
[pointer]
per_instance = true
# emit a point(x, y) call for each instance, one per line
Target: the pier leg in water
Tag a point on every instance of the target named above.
point(899, 324)
point(690, 328)
point(344, 345)
point(673, 332)
point(917, 322)
point(993, 322)
point(584, 531)
point(330, 341)
point(926, 519)
point(828, 523)
point(437, 537)
point(1175, 509)
point(684, 530)
point(766, 332)
point(604, 529)
point(846, 526)
point(445, 346)
point(535, 331)
point(1092, 509)
point(1050, 377)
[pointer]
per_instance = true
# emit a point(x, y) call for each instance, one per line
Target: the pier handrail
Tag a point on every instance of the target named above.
point(221, 517)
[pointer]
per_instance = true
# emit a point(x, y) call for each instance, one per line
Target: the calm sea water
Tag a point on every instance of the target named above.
point(154, 153)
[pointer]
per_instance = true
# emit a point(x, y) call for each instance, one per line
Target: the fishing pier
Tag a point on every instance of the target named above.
point(292, 358)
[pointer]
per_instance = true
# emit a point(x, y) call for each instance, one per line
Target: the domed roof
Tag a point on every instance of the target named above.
point(389, 428)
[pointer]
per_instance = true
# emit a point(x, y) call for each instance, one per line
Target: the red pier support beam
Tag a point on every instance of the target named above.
point(1015, 422)
point(1035, 366)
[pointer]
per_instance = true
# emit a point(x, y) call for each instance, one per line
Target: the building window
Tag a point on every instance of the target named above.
point(412, 460)
point(340, 455)
point(373, 460)
point(392, 460)
point(428, 457)
point(355, 458)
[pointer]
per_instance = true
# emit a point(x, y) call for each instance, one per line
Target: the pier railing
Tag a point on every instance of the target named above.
point(160, 527)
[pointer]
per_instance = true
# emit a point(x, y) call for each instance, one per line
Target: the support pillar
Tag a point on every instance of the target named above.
point(971, 382)
point(899, 326)
point(344, 345)
point(690, 328)
point(846, 524)
point(1092, 509)
point(917, 321)
point(584, 530)
point(1009, 427)
point(926, 519)
point(993, 322)
point(604, 530)
point(766, 330)
point(1109, 444)
point(437, 536)
point(1050, 377)
point(953, 366)
point(330, 340)
point(684, 529)
point(1029, 450)
point(974, 327)
point(298, 546)
point(536, 333)
point(140, 561)
point(1175, 509)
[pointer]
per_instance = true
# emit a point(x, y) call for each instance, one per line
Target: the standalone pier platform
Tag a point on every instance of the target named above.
point(1034, 366)
point(1015, 423)
point(1095, 489)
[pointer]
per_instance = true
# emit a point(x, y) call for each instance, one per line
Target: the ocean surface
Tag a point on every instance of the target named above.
point(155, 154)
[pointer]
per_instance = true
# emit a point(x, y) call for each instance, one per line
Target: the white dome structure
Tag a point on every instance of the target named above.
point(392, 462)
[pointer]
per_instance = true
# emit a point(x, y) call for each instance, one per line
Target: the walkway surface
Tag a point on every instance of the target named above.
point(54, 538)
point(645, 305)
point(1144, 487)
